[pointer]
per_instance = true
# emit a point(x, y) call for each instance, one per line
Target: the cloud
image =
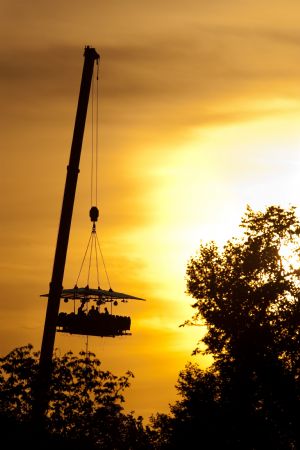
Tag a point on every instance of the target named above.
point(158, 81)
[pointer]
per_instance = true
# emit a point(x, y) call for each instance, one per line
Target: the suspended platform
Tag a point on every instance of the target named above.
point(92, 321)
point(105, 325)
point(86, 293)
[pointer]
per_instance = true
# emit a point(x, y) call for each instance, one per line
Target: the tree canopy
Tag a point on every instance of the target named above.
point(85, 408)
point(247, 295)
point(251, 288)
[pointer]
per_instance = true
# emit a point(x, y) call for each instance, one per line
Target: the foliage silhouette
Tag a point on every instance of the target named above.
point(247, 294)
point(85, 407)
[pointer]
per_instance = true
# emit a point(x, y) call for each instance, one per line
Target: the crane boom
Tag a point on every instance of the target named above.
point(45, 364)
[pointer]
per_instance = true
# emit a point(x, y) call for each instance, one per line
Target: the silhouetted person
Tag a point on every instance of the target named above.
point(106, 311)
point(81, 313)
point(93, 313)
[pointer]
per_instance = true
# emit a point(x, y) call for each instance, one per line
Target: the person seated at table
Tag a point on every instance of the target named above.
point(93, 313)
point(80, 311)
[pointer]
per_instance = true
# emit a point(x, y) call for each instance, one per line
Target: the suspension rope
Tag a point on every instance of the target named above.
point(85, 253)
point(92, 156)
point(95, 138)
point(93, 242)
point(97, 265)
point(90, 258)
point(103, 262)
point(97, 129)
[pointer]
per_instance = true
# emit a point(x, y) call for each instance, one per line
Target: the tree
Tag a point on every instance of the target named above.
point(247, 295)
point(195, 421)
point(85, 402)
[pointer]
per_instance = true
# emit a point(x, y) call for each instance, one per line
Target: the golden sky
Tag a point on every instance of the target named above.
point(199, 116)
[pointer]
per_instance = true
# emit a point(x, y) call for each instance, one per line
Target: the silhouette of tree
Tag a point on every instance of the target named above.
point(247, 294)
point(195, 421)
point(85, 407)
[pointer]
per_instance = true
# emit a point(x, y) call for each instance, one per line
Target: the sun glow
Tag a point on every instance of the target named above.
point(290, 257)
point(191, 191)
point(191, 131)
point(198, 192)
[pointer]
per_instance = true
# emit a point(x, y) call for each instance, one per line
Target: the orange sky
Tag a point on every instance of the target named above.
point(199, 112)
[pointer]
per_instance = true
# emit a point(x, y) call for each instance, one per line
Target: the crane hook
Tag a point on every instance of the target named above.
point(94, 214)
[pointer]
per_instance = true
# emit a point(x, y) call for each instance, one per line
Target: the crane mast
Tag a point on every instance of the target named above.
point(56, 284)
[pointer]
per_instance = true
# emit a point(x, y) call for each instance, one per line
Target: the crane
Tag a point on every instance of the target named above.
point(101, 324)
point(45, 363)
